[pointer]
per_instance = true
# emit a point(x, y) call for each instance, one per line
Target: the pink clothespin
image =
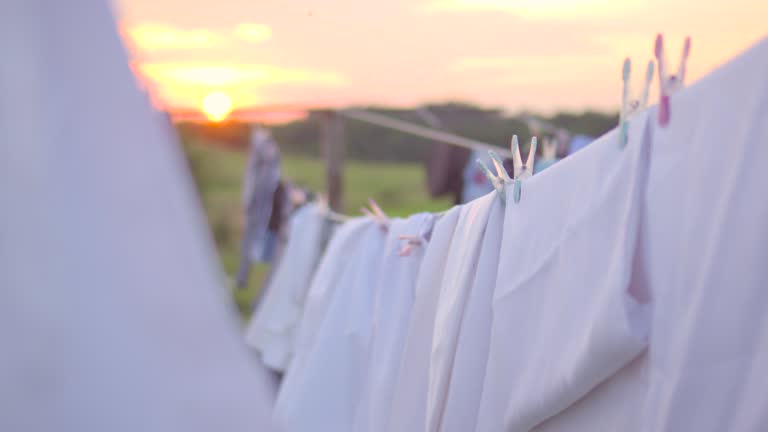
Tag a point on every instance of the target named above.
point(412, 241)
point(376, 213)
point(669, 83)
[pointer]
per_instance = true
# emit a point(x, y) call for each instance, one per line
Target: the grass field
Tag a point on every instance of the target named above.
point(398, 187)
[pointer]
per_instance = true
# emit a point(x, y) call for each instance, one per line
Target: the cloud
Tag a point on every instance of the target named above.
point(528, 70)
point(158, 37)
point(256, 33)
point(154, 37)
point(233, 75)
point(567, 9)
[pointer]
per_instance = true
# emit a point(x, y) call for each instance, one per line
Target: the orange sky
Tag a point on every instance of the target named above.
point(541, 55)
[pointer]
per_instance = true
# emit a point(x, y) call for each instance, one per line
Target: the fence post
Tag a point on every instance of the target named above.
point(333, 149)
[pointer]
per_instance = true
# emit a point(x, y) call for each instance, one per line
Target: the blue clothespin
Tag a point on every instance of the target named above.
point(631, 106)
point(669, 83)
point(522, 170)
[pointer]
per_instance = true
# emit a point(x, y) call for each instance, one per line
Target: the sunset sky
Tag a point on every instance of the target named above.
point(541, 55)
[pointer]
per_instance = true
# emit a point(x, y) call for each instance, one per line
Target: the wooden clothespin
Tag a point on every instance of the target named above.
point(630, 106)
point(376, 213)
point(421, 239)
point(411, 242)
point(669, 83)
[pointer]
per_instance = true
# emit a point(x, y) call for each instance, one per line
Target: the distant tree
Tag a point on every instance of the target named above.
point(375, 143)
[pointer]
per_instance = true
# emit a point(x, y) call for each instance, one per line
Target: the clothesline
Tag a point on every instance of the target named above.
point(422, 131)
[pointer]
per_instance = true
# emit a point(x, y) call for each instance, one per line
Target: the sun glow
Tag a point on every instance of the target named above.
point(217, 106)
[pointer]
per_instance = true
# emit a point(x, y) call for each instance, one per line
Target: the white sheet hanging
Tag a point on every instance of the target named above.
point(707, 248)
point(323, 394)
point(458, 279)
point(273, 328)
point(409, 395)
point(563, 319)
point(328, 276)
point(392, 311)
point(113, 314)
point(471, 354)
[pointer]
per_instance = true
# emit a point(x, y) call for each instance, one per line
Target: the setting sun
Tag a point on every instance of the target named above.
point(217, 106)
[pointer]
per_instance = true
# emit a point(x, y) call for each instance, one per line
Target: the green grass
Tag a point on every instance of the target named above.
point(399, 188)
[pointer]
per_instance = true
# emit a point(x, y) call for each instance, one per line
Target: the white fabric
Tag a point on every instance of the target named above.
point(563, 319)
point(707, 249)
point(458, 278)
point(686, 376)
point(617, 403)
point(323, 394)
point(113, 314)
point(614, 405)
point(273, 327)
point(329, 275)
point(412, 379)
point(392, 310)
point(466, 380)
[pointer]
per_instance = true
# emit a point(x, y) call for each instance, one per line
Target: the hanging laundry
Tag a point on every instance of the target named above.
point(273, 327)
point(628, 401)
point(564, 319)
point(328, 276)
point(391, 314)
point(260, 182)
point(458, 277)
point(411, 379)
point(706, 249)
point(113, 313)
point(462, 399)
point(427, 361)
point(324, 393)
point(614, 405)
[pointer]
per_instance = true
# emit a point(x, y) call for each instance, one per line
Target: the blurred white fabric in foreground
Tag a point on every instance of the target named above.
point(112, 312)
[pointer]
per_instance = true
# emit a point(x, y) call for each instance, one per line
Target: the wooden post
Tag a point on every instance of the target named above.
point(333, 149)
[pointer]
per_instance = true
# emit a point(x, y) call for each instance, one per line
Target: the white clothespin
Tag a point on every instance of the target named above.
point(631, 106)
point(669, 83)
point(500, 178)
point(522, 170)
point(376, 213)
point(549, 149)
